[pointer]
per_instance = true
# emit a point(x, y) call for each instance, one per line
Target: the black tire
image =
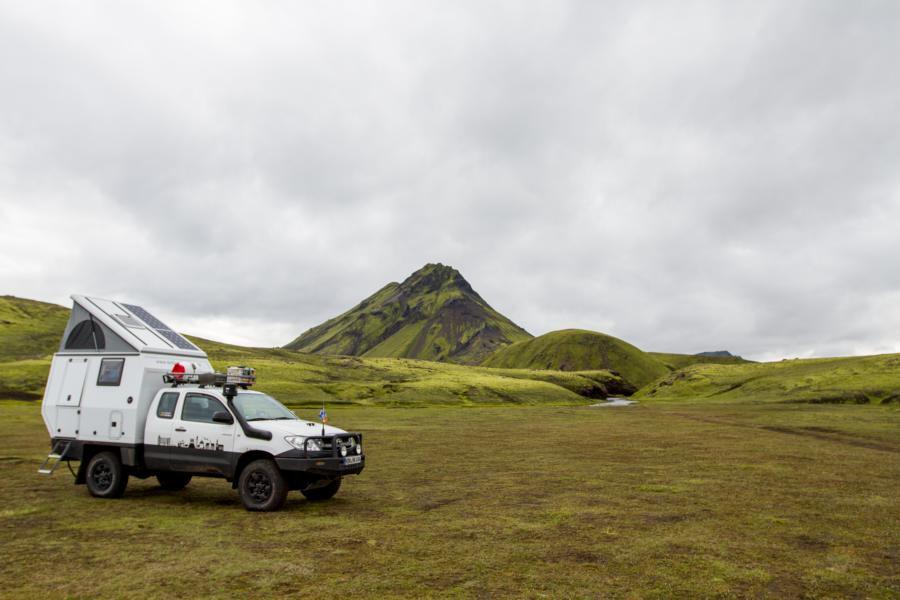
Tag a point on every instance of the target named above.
point(105, 476)
point(323, 493)
point(262, 487)
point(173, 481)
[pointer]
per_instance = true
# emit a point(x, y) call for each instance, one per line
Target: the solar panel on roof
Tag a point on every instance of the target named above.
point(146, 317)
point(176, 339)
point(160, 327)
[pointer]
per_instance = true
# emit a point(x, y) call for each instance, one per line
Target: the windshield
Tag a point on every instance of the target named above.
point(259, 407)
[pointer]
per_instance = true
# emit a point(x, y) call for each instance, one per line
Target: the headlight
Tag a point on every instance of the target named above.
point(296, 441)
point(359, 448)
point(343, 450)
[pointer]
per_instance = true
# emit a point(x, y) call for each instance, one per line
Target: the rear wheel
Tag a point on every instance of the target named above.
point(173, 481)
point(323, 493)
point(106, 477)
point(262, 487)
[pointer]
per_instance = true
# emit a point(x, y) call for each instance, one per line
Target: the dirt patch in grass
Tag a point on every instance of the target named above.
point(821, 433)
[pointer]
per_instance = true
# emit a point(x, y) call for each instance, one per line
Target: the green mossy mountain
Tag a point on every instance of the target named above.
point(580, 350)
point(432, 315)
point(29, 329)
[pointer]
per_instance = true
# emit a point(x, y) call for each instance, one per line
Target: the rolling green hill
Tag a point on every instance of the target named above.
point(29, 328)
point(300, 378)
point(580, 350)
point(433, 315)
point(33, 329)
point(859, 379)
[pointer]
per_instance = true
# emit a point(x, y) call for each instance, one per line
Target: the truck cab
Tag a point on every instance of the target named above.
point(129, 397)
point(199, 431)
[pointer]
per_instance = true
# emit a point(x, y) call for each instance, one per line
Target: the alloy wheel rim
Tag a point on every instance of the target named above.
point(259, 486)
point(102, 476)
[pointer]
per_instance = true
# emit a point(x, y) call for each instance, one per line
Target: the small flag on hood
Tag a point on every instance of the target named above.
point(323, 416)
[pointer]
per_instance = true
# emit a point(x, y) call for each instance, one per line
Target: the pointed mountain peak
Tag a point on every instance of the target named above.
point(432, 314)
point(435, 276)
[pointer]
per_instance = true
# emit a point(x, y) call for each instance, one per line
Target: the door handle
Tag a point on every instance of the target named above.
point(180, 429)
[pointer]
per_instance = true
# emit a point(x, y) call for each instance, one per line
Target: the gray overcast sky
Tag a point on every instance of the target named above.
point(687, 176)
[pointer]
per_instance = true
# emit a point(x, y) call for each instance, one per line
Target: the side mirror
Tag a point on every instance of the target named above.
point(223, 417)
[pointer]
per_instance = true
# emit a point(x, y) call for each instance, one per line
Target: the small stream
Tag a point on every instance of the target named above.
point(615, 402)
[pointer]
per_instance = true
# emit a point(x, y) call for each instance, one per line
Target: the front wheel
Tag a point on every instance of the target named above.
point(106, 477)
point(323, 493)
point(262, 487)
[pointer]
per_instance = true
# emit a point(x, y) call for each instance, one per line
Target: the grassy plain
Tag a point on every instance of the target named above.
point(649, 501)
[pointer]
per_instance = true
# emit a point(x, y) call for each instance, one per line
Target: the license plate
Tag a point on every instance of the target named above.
point(353, 460)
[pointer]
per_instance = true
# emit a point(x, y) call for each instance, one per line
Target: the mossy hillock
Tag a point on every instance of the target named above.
point(581, 350)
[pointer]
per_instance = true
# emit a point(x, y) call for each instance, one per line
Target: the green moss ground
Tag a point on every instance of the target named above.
point(696, 500)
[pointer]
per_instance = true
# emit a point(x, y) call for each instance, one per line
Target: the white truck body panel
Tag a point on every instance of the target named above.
point(77, 405)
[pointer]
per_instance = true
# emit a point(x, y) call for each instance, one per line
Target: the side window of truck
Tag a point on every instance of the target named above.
point(110, 371)
point(166, 408)
point(200, 408)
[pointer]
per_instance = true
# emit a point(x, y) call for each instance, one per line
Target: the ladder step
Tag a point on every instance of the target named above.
point(55, 458)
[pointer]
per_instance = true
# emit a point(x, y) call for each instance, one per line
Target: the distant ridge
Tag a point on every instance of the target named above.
point(434, 314)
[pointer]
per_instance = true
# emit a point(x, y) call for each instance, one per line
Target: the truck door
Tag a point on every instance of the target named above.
point(69, 399)
point(199, 444)
point(158, 432)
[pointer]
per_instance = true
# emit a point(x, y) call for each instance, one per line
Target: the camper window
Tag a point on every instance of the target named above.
point(201, 408)
point(111, 371)
point(166, 408)
point(87, 335)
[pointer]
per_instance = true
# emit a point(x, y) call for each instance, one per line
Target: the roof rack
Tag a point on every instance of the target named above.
point(234, 377)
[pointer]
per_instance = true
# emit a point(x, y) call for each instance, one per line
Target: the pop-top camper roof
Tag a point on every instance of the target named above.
point(106, 326)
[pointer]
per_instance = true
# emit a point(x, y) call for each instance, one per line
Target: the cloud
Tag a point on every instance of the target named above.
point(688, 176)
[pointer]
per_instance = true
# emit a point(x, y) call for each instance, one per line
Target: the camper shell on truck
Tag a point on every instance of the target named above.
point(128, 396)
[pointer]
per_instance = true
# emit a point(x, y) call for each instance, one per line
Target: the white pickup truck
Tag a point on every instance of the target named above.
point(127, 396)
